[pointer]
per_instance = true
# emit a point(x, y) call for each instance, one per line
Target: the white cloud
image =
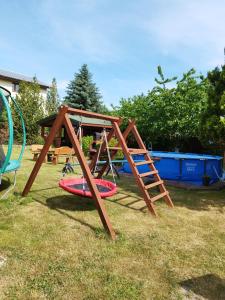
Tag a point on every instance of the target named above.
point(81, 27)
point(191, 31)
point(194, 27)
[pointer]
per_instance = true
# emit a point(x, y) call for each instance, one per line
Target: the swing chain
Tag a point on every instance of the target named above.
point(98, 154)
point(109, 156)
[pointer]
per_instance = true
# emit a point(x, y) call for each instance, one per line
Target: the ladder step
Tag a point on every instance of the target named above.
point(115, 148)
point(138, 151)
point(146, 162)
point(148, 173)
point(151, 185)
point(159, 196)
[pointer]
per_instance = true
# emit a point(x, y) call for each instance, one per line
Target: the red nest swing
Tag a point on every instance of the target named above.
point(79, 186)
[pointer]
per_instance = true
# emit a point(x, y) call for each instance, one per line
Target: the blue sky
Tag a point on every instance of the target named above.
point(121, 41)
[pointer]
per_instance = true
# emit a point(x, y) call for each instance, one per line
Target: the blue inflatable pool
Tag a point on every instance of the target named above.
point(183, 166)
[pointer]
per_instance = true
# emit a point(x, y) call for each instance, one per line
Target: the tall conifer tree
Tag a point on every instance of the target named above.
point(53, 101)
point(82, 93)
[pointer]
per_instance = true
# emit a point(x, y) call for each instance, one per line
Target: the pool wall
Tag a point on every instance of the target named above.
point(183, 166)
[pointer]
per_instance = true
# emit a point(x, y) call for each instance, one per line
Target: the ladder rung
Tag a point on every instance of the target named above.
point(159, 196)
point(151, 185)
point(146, 162)
point(138, 151)
point(115, 148)
point(148, 173)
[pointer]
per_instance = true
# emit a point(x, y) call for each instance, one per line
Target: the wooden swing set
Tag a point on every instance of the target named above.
point(64, 118)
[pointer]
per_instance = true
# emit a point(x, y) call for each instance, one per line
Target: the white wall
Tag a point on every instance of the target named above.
point(9, 86)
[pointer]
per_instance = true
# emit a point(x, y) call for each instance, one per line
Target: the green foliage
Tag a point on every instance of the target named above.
point(31, 103)
point(213, 119)
point(82, 93)
point(103, 109)
point(162, 80)
point(3, 123)
point(38, 140)
point(53, 100)
point(113, 143)
point(168, 116)
point(86, 142)
point(3, 126)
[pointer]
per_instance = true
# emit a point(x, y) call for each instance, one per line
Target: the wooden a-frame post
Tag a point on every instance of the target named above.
point(63, 119)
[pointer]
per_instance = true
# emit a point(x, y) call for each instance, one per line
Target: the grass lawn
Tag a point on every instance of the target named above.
point(55, 246)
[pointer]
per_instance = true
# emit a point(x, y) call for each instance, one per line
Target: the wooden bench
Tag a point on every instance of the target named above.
point(35, 150)
point(66, 152)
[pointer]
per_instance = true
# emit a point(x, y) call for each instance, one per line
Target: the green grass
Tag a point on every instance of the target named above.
point(56, 247)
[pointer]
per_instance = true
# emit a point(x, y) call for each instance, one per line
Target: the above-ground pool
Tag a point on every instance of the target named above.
point(183, 166)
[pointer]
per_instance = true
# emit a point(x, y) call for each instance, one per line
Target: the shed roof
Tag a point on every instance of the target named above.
point(76, 120)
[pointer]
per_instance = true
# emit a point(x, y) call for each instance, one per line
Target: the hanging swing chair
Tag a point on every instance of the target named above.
point(79, 186)
point(7, 164)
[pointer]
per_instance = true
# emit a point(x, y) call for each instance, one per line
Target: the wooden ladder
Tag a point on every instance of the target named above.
point(144, 188)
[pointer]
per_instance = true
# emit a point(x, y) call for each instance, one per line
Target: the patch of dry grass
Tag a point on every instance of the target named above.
point(56, 248)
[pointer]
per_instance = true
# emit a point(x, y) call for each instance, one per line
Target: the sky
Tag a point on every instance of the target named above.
point(122, 42)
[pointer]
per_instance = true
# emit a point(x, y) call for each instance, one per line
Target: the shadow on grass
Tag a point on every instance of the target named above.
point(4, 184)
point(198, 200)
point(209, 286)
point(129, 204)
point(71, 203)
point(58, 209)
point(191, 199)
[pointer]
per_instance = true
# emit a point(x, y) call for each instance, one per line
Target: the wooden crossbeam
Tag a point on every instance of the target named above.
point(92, 115)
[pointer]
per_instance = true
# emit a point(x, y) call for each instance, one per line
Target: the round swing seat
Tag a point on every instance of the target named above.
point(78, 186)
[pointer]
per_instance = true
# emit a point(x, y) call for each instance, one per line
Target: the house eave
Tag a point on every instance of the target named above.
point(17, 80)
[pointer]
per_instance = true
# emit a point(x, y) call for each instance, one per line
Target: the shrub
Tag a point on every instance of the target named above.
point(119, 155)
point(86, 142)
point(38, 140)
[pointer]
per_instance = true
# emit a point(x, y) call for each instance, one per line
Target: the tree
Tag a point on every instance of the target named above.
point(213, 124)
point(53, 101)
point(3, 125)
point(82, 93)
point(31, 103)
point(162, 81)
point(168, 117)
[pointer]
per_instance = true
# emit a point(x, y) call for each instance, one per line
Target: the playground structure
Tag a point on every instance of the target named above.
point(65, 118)
point(7, 164)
